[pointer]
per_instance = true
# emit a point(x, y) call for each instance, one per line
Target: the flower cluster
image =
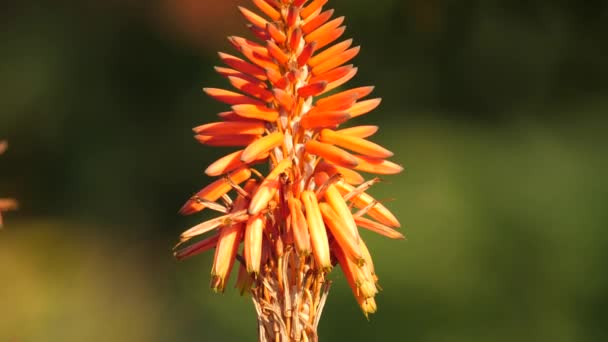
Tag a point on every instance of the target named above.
point(6, 204)
point(303, 217)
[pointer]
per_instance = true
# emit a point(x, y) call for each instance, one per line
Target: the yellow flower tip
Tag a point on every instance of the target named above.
point(218, 285)
point(377, 166)
point(368, 306)
point(326, 269)
point(368, 289)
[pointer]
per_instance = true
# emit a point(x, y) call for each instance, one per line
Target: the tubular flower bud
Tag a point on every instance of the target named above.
point(307, 210)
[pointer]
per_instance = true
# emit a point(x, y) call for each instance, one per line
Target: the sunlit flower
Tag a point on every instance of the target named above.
point(6, 204)
point(303, 217)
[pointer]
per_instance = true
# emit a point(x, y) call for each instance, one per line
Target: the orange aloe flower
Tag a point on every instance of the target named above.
point(6, 204)
point(303, 217)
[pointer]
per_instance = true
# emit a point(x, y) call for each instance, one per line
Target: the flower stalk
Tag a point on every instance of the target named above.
point(297, 222)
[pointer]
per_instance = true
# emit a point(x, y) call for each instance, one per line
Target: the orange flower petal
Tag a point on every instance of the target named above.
point(358, 275)
point(256, 112)
point(336, 99)
point(278, 81)
point(299, 227)
point(359, 131)
point(196, 248)
point(253, 18)
point(354, 144)
point(261, 146)
point(231, 128)
point(232, 116)
point(214, 191)
point(324, 31)
point(241, 43)
point(349, 176)
point(283, 98)
point(312, 7)
point(235, 73)
point(333, 75)
point(317, 21)
point(316, 228)
point(225, 253)
point(312, 89)
point(292, 16)
point(341, 103)
point(306, 53)
point(336, 61)
point(228, 163)
point(214, 223)
point(226, 140)
point(377, 166)
point(270, 11)
point(378, 228)
point(329, 37)
point(260, 59)
point(243, 66)
point(260, 33)
point(331, 153)
point(322, 181)
point(363, 200)
point(230, 97)
point(340, 231)
point(253, 243)
point(346, 264)
point(251, 89)
point(277, 52)
point(324, 119)
point(276, 34)
point(342, 80)
point(364, 107)
point(337, 203)
point(329, 53)
point(268, 188)
point(295, 38)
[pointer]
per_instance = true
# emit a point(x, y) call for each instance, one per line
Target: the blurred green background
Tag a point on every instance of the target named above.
point(497, 109)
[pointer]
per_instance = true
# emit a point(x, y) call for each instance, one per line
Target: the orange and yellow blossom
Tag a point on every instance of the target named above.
point(297, 221)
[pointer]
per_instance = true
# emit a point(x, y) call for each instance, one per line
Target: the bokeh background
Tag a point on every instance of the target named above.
point(497, 109)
